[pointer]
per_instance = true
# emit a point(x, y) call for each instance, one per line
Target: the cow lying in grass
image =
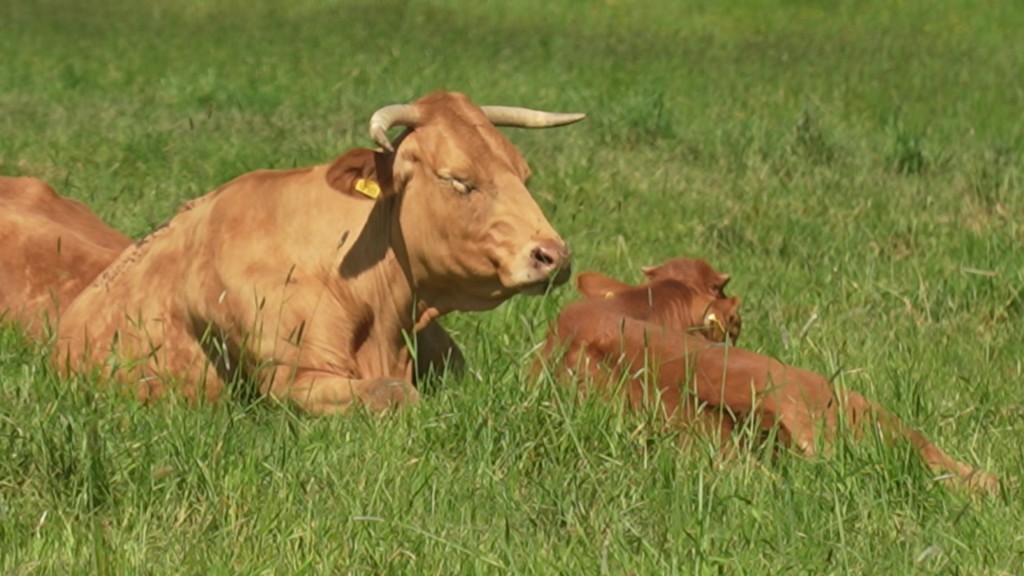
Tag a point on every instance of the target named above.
point(659, 343)
point(52, 248)
point(308, 284)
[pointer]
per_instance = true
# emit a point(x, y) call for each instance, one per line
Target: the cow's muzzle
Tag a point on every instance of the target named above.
point(550, 264)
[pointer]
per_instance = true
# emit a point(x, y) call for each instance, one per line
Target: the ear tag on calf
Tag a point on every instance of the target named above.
point(368, 188)
point(717, 328)
point(609, 294)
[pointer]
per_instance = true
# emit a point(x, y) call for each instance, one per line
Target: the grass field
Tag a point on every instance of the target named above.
point(858, 168)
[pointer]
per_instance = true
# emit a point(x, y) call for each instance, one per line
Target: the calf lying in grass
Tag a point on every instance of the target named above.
point(667, 341)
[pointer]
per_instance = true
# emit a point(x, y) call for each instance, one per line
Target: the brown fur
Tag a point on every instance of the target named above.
point(683, 293)
point(52, 248)
point(602, 342)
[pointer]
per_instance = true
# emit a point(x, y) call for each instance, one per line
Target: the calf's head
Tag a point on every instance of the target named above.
point(473, 232)
point(683, 293)
point(691, 271)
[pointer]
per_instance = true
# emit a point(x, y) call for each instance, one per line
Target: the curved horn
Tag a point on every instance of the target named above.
point(388, 116)
point(526, 118)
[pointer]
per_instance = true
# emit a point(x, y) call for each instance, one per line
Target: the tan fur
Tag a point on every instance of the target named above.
point(642, 337)
point(297, 280)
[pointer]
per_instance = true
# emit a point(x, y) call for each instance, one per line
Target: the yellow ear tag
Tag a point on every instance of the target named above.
point(711, 322)
point(368, 188)
point(609, 294)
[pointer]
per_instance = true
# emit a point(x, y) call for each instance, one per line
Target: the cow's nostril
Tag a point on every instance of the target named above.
point(541, 257)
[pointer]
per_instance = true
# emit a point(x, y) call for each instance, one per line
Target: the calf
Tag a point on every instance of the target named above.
point(683, 294)
point(652, 341)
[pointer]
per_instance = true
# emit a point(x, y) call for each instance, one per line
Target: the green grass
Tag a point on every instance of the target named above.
point(857, 167)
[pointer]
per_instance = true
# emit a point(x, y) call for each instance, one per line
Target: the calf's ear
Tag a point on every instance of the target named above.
point(722, 320)
point(650, 271)
point(733, 321)
point(733, 304)
point(597, 285)
point(722, 281)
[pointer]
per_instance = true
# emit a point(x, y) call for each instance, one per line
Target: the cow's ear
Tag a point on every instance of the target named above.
point(597, 285)
point(650, 271)
point(361, 174)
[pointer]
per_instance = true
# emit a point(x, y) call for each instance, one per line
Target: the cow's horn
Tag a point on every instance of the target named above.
point(388, 116)
point(526, 118)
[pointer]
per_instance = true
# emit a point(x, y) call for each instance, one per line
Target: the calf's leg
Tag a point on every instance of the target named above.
point(804, 403)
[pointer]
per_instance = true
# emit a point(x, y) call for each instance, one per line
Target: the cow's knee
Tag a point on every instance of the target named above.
point(324, 396)
point(380, 394)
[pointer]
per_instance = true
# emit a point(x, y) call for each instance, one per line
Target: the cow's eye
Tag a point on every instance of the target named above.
point(458, 184)
point(461, 186)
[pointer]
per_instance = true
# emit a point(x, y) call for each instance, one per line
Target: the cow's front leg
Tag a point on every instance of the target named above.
point(436, 353)
point(319, 392)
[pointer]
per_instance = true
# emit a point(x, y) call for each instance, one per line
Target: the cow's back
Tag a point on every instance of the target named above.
point(132, 308)
point(221, 276)
point(51, 248)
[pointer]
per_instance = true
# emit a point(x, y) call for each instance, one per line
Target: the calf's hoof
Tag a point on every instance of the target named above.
point(981, 481)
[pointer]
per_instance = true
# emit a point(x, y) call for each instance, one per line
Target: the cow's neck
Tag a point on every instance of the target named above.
point(377, 274)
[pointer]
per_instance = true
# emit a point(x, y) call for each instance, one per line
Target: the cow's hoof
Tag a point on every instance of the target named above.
point(385, 393)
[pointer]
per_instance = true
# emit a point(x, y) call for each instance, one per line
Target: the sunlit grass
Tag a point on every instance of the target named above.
point(856, 168)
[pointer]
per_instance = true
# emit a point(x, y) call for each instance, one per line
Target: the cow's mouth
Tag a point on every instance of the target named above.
point(542, 285)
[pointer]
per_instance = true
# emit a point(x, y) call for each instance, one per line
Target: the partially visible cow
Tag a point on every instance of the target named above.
point(309, 282)
point(682, 293)
point(650, 343)
point(52, 248)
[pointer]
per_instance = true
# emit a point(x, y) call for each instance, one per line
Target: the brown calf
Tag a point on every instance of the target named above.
point(683, 294)
point(651, 340)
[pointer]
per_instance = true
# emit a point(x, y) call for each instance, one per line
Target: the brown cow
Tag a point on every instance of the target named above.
point(310, 281)
point(53, 247)
point(648, 340)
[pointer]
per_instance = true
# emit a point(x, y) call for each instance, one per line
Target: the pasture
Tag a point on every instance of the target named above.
point(857, 167)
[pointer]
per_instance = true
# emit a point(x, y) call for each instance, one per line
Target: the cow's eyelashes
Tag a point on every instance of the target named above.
point(459, 185)
point(462, 187)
